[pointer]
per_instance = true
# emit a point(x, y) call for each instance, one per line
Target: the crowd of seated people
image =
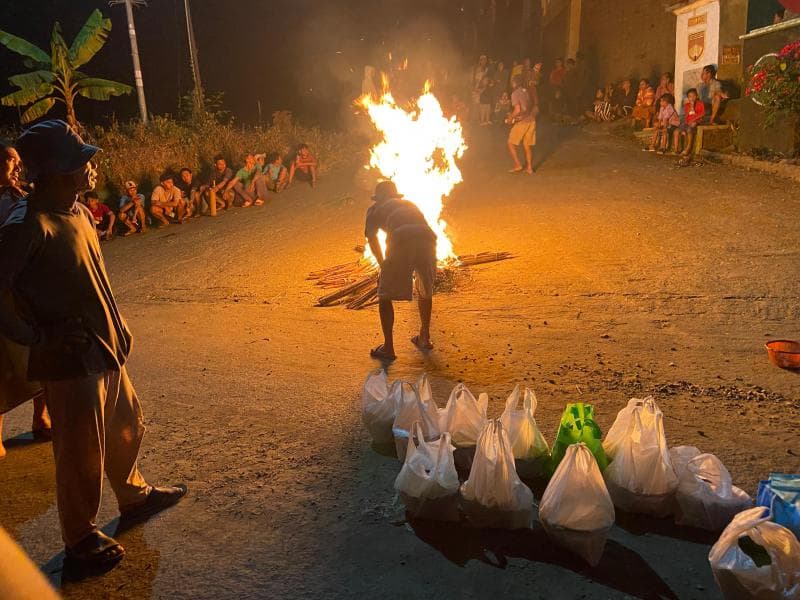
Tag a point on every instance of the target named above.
point(180, 195)
point(673, 130)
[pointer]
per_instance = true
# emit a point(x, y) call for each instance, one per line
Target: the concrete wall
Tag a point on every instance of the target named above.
point(627, 38)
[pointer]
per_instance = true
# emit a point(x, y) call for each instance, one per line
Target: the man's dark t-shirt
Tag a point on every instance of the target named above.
point(400, 219)
point(217, 177)
point(52, 263)
point(187, 188)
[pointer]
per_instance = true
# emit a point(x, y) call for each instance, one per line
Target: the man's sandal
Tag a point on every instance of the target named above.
point(159, 498)
point(95, 551)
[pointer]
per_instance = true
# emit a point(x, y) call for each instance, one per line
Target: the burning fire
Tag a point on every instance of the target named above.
point(418, 151)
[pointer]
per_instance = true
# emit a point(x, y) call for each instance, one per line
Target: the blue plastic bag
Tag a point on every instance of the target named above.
point(781, 494)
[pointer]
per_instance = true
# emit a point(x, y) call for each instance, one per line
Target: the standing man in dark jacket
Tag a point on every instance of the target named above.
point(410, 251)
point(50, 260)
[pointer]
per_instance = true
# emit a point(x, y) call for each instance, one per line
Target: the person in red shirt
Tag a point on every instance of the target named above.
point(693, 113)
point(304, 166)
point(103, 216)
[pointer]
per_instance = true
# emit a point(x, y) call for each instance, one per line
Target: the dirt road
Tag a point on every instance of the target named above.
point(632, 277)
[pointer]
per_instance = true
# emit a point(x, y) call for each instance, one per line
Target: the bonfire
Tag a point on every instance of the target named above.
point(418, 150)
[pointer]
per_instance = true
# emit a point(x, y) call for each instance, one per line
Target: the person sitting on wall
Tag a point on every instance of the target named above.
point(131, 210)
point(666, 125)
point(711, 94)
point(645, 104)
point(103, 216)
point(693, 113)
point(167, 201)
point(304, 166)
point(624, 99)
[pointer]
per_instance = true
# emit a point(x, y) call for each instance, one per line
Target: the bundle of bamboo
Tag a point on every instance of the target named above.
point(356, 283)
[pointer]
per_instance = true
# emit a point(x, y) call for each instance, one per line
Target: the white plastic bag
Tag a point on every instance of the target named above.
point(413, 407)
point(464, 418)
point(641, 479)
point(576, 510)
point(618, 430)
point(379, 406)
point(706, 497)
point(428, 482)
point(527, 442)
point(493, 495)
point(738, 574)
point(680, 457)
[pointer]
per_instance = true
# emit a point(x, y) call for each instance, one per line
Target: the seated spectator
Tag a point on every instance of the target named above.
point(167, 202)
point(217, 184)
point(645, 104)
point(190, 190)
point(247, 184)
point(502, 108)
point(711, 94)
point(304, 166)
point(693, 113)
point(103, 216)
point(665, 86)
point(601, 108)
point(131, 210)
point(276, 175)
point(624, 99)
point(666, 126)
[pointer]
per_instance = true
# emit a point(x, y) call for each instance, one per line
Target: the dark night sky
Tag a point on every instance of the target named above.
point(281, 52)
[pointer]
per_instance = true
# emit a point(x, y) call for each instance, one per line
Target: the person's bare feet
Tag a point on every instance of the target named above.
point(423, 343)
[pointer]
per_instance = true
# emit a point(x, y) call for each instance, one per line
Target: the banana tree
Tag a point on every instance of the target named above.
point(55, 77)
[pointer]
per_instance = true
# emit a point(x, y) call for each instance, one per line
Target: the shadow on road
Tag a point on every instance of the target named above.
point(620, 568)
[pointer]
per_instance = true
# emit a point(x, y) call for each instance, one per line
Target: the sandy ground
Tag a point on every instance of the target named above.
point(632, 277)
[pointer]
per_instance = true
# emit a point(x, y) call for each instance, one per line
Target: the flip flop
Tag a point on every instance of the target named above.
point(258, 202)
point(415, 341)
point(379, 353)
point(159, 498)
point(515, 171)
point(95, 551)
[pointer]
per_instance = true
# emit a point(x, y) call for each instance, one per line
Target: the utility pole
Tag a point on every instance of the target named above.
point(198, 84)
point(137, 67)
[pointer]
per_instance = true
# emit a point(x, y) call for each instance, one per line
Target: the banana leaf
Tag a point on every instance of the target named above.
point(24, 48)
point(101, 89)
point(38, 110)
point(90, 39)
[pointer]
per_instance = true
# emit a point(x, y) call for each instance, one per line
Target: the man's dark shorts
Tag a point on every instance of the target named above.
point(411, 252)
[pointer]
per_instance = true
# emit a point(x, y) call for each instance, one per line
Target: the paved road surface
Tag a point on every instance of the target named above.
point(632, 277)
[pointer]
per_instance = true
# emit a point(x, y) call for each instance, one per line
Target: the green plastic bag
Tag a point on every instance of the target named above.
point(577, 425)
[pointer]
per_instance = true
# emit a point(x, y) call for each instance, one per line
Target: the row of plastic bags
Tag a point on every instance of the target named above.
point(389, 411)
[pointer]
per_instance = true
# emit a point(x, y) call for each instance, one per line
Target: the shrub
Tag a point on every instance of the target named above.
point(133, 151)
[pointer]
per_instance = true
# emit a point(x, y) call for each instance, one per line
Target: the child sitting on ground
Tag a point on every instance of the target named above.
point(666, 125)
point(601, 107)
point(276, 174)
point(693, 113)
point(103, 216)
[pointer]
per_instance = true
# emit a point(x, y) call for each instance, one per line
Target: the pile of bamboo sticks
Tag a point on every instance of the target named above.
point(355, 284)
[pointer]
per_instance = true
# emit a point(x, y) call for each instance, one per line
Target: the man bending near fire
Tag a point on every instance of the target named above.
point(410, 252)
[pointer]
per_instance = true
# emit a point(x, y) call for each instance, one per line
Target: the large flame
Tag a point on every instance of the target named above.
point(418, 151)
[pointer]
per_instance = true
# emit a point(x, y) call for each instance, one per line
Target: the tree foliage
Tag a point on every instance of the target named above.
point(55, 77)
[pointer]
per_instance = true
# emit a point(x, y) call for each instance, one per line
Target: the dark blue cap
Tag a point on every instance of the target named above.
point(53, 147)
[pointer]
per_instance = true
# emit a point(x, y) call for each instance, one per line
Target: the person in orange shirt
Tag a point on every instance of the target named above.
point(304, 166)
point(645, 104)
